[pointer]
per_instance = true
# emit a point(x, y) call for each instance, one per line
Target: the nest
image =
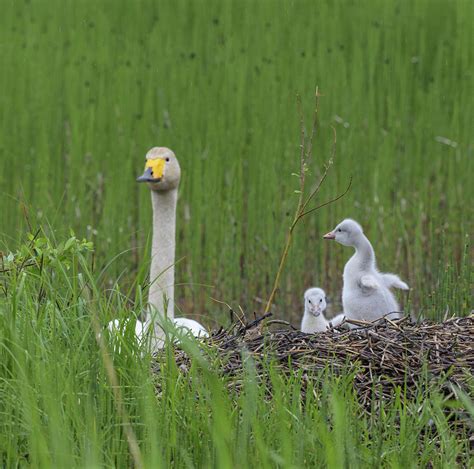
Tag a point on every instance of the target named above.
point(381, 356)
point(413, 358)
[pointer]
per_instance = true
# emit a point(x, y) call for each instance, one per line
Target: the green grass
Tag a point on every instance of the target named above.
point(58, 410)
point(88, 87)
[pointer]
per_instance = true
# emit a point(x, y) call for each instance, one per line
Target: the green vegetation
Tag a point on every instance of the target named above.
point(58, 410)
point(88, 87)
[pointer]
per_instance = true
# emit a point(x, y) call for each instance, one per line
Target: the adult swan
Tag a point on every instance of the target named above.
point(162, 174)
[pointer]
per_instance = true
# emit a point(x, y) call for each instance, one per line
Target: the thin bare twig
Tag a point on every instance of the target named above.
point(331, 201)
point(306, 149)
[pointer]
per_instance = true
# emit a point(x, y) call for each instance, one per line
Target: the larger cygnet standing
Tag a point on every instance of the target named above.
point(366, 292)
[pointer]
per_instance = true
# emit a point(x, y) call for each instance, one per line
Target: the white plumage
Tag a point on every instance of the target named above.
point(143, 330)
point(196, 329)
point(162, 173)
point(314, 307)
point(366, 292)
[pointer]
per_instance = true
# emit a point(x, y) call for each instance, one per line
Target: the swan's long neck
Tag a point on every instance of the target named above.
point(364, 256)
point(161, 293)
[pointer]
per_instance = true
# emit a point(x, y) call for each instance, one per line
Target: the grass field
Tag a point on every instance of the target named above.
point(88, 87)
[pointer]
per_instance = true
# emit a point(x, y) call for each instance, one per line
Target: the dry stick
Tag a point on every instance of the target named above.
point(284, 323)
point(231, 311)
point(302, 203)
point(302, 154)
point(330, 201)
point(326, 169)
point(132, 440)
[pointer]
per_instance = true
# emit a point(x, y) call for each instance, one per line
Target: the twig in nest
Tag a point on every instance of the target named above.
point(257, 321)
point(284, 323)
point(383, 356)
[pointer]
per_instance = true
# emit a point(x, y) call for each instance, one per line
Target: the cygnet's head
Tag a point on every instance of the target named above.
point(346, 233)
point(314, 301)
point(162, 171)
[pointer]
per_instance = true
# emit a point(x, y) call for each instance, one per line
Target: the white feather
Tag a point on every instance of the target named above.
point(366, 292)
point(314, 307)
point(393, 281)
point(164, 196)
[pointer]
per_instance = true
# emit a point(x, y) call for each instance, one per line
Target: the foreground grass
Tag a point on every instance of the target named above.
point(57, 408)
point(88, 87)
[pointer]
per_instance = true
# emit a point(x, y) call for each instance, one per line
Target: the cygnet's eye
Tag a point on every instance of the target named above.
point(309, 301)
point(167, 159)
point(321, 300)
point(339, 229)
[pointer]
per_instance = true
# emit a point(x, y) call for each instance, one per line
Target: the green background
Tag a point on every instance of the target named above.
point(89, 87)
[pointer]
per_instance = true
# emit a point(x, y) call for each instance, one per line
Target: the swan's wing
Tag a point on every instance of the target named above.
point(369, 282)
point(196, 329)
point(394, 281)
point(337, 320)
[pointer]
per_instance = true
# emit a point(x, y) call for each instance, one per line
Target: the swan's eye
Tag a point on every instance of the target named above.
point(167, 159)
point(309, 301)
point(321, 300)
point(339, 230)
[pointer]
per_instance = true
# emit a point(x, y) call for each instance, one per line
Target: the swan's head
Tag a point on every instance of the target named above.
point(162, 171)
point(346, 233)
point(315, 301)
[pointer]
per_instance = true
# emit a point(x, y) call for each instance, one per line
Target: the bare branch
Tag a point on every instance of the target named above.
point(326, 170)
point(306, 150)
point(315, 123)
point(340, 196)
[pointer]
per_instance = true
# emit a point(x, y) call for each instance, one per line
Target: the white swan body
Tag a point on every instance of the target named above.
point(196, 329)
point(337, 320)
point(314, 307)
point(119, 326)
point(366, 292)
point(143, 329)
point(162, 173)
